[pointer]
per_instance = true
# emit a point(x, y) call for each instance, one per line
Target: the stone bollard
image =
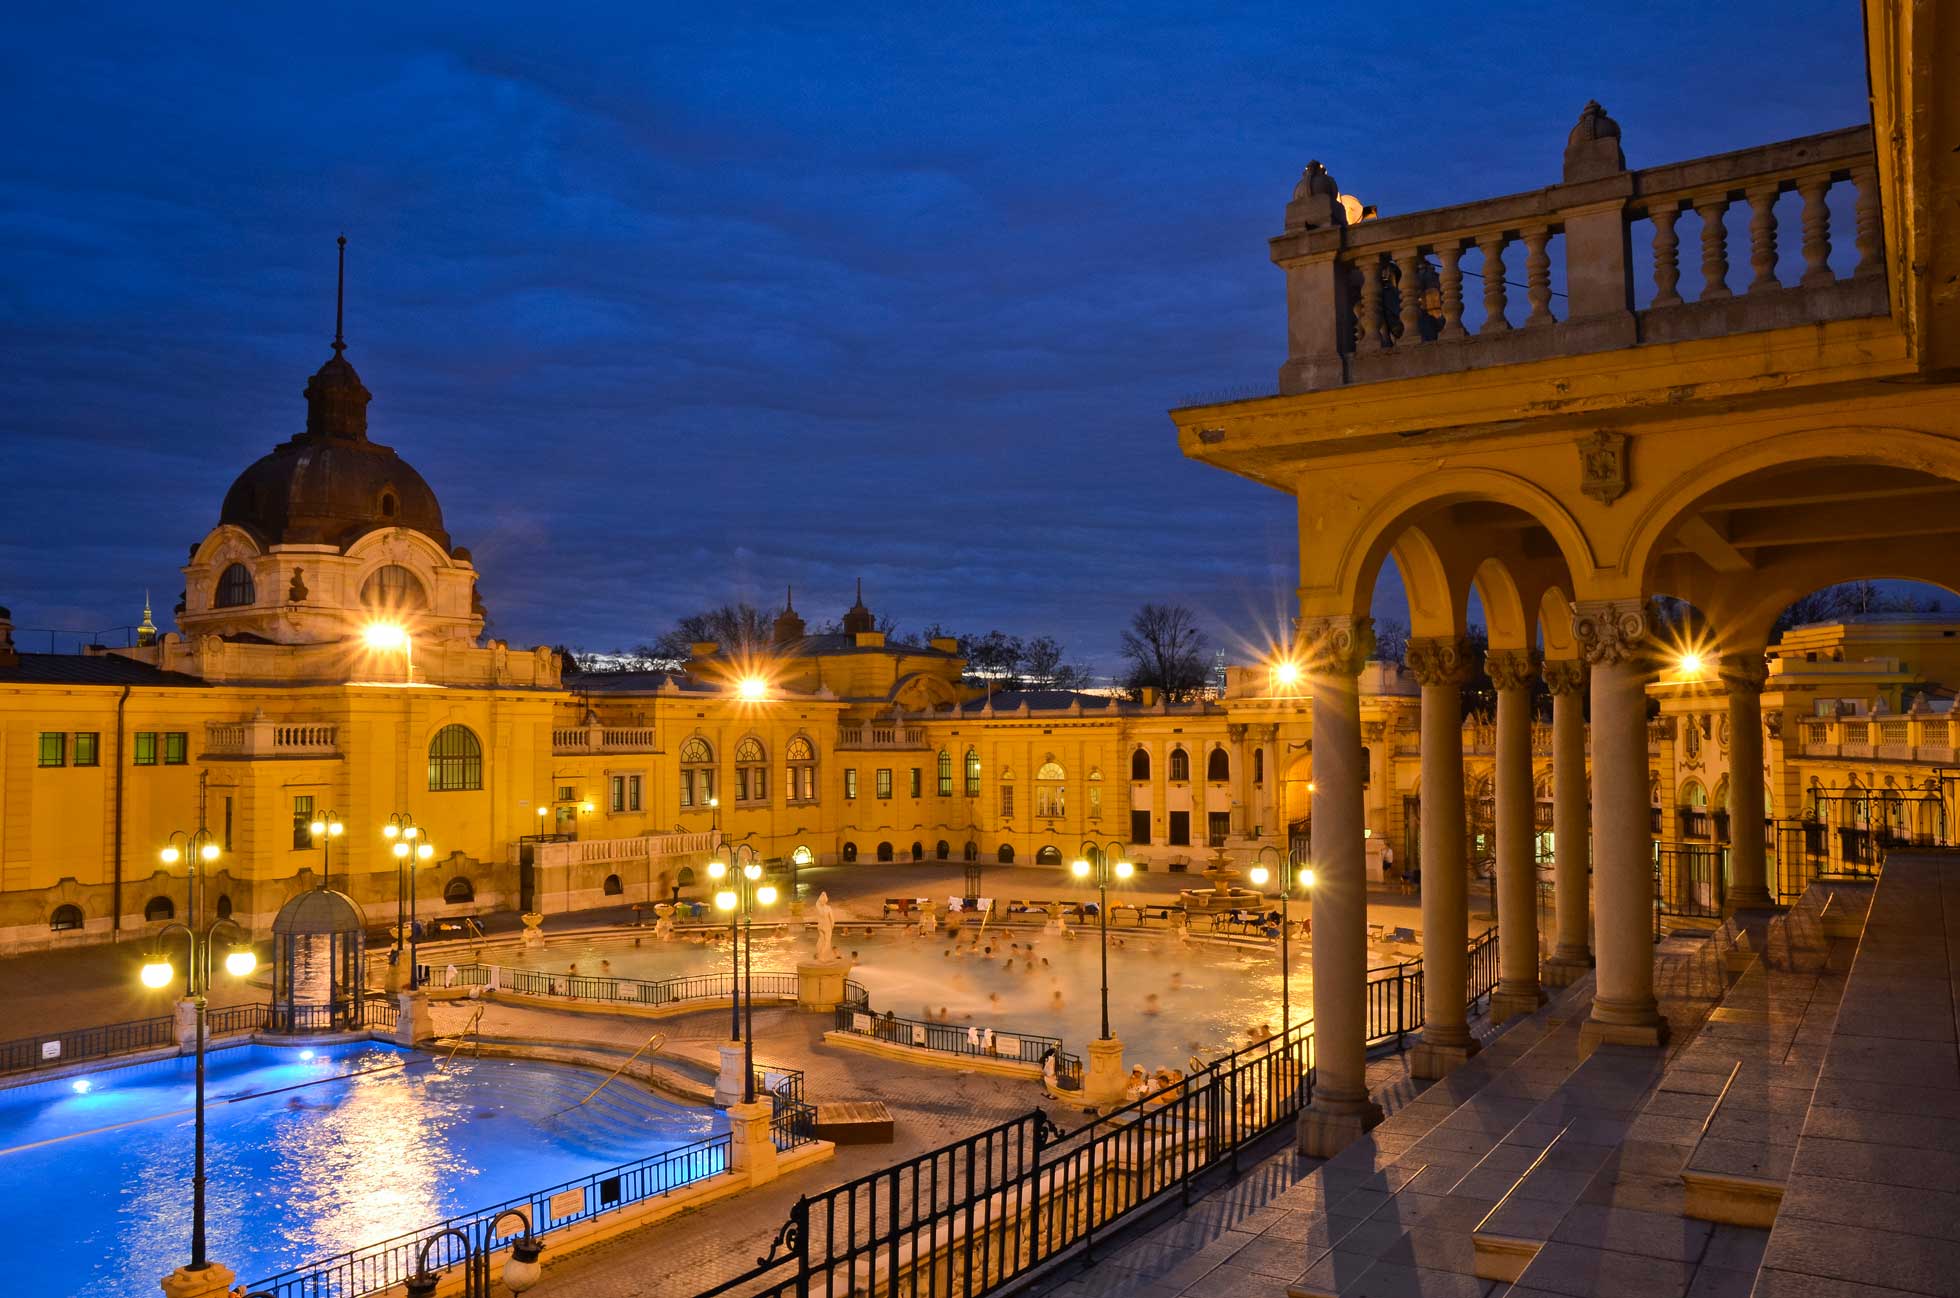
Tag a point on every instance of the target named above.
point(412, 1023)
point(728, 1082)
point(214, 1281)
point(820, 985)
point(185, 1027)
point(751, 1144)
point(1104, 1081)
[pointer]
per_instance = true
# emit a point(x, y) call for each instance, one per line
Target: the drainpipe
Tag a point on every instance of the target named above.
point(115, 904)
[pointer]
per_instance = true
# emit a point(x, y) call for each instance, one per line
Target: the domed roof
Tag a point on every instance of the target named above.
point(320, 910)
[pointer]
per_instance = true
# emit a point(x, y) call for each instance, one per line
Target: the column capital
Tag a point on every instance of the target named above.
point(1564, 675)
point(1510, 669)
point(1744, 671)
point(1333, 646)
point(1612, 631)
point(1438, 660)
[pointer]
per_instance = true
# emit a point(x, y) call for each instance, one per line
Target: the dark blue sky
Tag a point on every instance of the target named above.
point(676, 304)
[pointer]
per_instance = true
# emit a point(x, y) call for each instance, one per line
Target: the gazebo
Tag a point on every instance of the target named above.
point(317, 941)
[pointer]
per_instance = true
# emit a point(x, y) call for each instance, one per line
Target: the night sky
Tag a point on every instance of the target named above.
point(680, 304)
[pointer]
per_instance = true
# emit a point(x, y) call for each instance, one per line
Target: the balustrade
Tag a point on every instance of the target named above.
point(261, 737)
point(603, 739)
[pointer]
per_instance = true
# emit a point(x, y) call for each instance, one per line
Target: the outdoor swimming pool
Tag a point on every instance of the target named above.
point(311, 1152)
point(1168, 1000)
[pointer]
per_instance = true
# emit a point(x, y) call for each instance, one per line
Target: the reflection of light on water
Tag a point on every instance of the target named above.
point(306, 1054)
point(82, 1086)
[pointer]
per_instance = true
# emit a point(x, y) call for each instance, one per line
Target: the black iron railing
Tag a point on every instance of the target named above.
point(1690, 879)
point(624, 991)
point(53, 1049)
point(946, 1038)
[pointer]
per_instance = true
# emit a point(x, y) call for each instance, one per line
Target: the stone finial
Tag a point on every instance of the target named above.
point(1316, 201)
point(1592, 150)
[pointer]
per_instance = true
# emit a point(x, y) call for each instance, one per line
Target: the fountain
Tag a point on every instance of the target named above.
point(663, 924)
point(1225, 892)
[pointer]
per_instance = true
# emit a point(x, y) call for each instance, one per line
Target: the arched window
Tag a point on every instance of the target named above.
point(751, 771)
point(458, 890)
point(972, 851)
point(945, 773)
point(1180, 764)
point(613, 886)
point(972, 772)
point(884, 851)
point(850, 852)
point(685, 879)
point(392, 587)
point(918, 851)
point(1051, 770)
point(224, 905)
point(1693, 795)
point(1258, 766)
point(1140, 764)
point(1050, 793)
point(697, 773)
point(235, 587)
point(159, 908)
point(1050, 855)
point(1006, 854)
point(1218, 766)
point(388, 504)
point(455, 760)
point(801, 756)
point(65, 919)
point(942, 850)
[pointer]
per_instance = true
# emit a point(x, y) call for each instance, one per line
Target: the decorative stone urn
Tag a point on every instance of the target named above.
point(533, 935)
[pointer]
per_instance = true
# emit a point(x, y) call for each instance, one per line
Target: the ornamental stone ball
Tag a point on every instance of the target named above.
point(1592, 150)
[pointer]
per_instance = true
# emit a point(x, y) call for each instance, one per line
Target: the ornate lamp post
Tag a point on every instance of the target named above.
point(1104, 862)
point(1289, 873)
point(198, 850)
point(325, 828)
point(739, 892)
point(409, 845)
point(521, 1269)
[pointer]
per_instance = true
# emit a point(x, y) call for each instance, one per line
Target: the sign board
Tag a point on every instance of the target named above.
point(50, 1050)
point(567, 1203)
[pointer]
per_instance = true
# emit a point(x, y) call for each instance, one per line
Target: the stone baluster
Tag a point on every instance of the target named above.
point(1667, 251)
point(1538, 277)
point(1816, 232)
point(1762, 239)
point(1408, 264)
point(1452, 277)
point(1871, 253)
point(1492, 246)
point(1714, 248)
point(1371, 337)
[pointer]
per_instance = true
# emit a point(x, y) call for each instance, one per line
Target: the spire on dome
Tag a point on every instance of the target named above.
point(146, 630)
point(789, 627)
point(336, 403)
point(859, 618)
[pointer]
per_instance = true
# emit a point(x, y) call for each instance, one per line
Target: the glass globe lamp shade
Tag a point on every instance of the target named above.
point(766, 894)
point(725, 900)
point(521, 1269)
point(240, 961)
point(1079, 868)
point(157, 973)
point(170, 855)
point(1124, 869)
point(1259, 874)
point(209, 851)
point(425, 850)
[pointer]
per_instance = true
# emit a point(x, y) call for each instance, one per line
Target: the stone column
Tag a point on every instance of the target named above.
point(1517, 991)
point(751, 1144)
point(1571, 824)
point(214, 1281)
point(1439, 666)
point(1613, 637)
point(729, 1079)
point(1744, 675)
point(1334, 651)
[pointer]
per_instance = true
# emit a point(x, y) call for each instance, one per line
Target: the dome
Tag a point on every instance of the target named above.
point(317, 911)
point(330, 485)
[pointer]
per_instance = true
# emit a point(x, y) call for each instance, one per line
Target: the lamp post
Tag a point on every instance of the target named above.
point(521, 1269)
point(409, 845)
point(325, 828)
point(197, 849)
point(1103, 862)
point(741, 891)
point(1289, 871)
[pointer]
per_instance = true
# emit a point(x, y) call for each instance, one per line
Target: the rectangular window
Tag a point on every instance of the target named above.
point(687, 788)
point(146, 748)
point(1221, 825)
point(176, 748)
point(302, 819)
point(633, 786)
point(809, 784)
point(1007, 801)
point(1180, 829)
point(706, 787)
point(1095, 799)
point(617, 794)
point(54, 748)
point(568, 793)
point(885, 782)
point(1139, 827)
point(742, 784)
point(918, 780)
point(227, 838)
point(850, 782)
point(759, 785)
point(945, 775)
point(88, 747)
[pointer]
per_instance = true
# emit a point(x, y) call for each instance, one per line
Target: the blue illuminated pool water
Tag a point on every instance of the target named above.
point(310, 1153)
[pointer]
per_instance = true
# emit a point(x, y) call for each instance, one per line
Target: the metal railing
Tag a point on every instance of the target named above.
point(1690, 879)
point(379, 1266)
point(53, 1049)
point(624, 991)
point(946, 1038)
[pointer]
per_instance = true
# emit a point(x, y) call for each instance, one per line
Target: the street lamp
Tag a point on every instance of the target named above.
point(325, 828)
point(1103, 862)
point(521, 1269)
point(739, 891)
point(197, 850)
point(1289, 873)
point(410, 846)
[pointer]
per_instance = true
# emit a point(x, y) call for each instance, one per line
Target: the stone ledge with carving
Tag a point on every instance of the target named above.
point(1563, 675)
point(1611, 632)
point(1336, 645)
point(1438, 660)
point(1510, 669)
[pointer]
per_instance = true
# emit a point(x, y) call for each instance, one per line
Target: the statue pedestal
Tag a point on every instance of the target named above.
point(412, 1022)
point(820, 985)
point(728, 1082)
point(214, 1281)
point(1104, 1081)
point(751, 1145)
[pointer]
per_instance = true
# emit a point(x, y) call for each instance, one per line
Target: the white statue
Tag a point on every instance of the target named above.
point(663, 925)
point(826, 923)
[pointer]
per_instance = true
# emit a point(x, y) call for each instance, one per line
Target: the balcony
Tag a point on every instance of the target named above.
point(875, 736)
point(1384, 299)
point(574, 741)
point(263, 738)
point(1914, 737)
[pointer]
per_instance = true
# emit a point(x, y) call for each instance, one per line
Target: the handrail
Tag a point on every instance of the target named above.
point(463, 1038)
point(661, 1037)
point(1542, 1155)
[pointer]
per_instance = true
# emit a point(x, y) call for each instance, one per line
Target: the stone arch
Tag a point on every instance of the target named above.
point(1504, 605)
point(1555, 624)
point(66, 918)
point(612, 886)
point(158, 909)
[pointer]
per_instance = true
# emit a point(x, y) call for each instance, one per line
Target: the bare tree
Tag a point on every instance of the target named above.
point(1391, 641)
point(1852, 599)
point(1166, 651)
point(737, 628)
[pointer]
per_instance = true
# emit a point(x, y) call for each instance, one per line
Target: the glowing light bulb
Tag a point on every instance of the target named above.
point(1259, 874)
point(240, 961)
point(766, 894)
point(157, 973)
point(1306, 877)
point(1287, 672)
point(415, 831)
point(1124, 869)
point(170, 855)
point(317, 828)
point(392, 831)
point(725, 900)
point(1079, 868)
point(424, 850)
point(336, 829)
point(752, 688)
point(384, 635)
point(401, 849)
point(752, 871)
point(541, 811)
point(717, 869)
point(209, 851)
point(1690, 663)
